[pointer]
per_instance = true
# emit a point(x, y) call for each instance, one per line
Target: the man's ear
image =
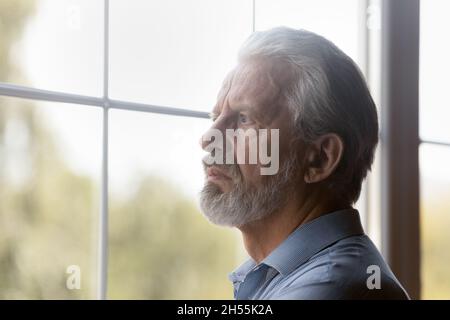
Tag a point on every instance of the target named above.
point(322, 158)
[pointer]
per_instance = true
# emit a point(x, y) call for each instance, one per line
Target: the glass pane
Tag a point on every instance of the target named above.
point(175, 52)
point(53, 45)
point(434, 70)
point(435, 221)
point(161, 247)
point(335, 20)
point(49, 191)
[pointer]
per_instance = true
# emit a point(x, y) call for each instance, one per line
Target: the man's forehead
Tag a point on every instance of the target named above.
point(251, 83)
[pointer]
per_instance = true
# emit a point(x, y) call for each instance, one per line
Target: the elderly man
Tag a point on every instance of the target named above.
point(304, 239)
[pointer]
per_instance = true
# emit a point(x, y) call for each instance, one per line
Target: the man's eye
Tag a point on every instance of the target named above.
point(244, 119)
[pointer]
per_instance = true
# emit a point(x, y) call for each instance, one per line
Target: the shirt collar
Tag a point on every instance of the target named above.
point(305, 241)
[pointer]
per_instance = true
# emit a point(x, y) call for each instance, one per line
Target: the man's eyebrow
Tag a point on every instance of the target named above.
point(241, 107)
point(213, 115)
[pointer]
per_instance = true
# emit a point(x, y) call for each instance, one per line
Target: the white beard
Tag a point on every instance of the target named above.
point(244, 203)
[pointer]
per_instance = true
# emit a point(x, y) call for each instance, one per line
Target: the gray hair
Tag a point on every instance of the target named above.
point(328, 94)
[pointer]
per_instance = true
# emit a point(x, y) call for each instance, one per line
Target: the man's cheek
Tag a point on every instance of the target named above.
point(250, 173)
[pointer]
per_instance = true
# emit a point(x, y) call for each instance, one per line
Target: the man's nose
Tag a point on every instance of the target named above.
point(207, 138)
point(202, 142)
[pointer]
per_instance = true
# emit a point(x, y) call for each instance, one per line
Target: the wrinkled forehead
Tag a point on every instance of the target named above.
point(254, 83)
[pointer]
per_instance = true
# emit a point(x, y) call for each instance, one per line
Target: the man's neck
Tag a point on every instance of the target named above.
point(263, 236)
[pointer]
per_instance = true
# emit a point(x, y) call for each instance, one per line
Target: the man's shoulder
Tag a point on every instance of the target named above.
point(351, 268)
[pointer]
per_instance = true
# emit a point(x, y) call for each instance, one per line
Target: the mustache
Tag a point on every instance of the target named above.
point(231, 170)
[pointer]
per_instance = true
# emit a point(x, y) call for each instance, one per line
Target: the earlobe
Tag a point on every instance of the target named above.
point(323, 157)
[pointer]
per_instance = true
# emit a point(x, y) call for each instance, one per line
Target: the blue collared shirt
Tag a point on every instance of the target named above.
point(329, 257)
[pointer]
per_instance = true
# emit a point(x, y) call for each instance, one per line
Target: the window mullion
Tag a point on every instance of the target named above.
point(103, 218)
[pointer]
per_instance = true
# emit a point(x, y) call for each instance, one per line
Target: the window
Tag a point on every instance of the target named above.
point(49, 198)
point(60, 45)
point(435, 149)
point(335, 20)
point(435, 220)
point(179, 51)
point(127, 86)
